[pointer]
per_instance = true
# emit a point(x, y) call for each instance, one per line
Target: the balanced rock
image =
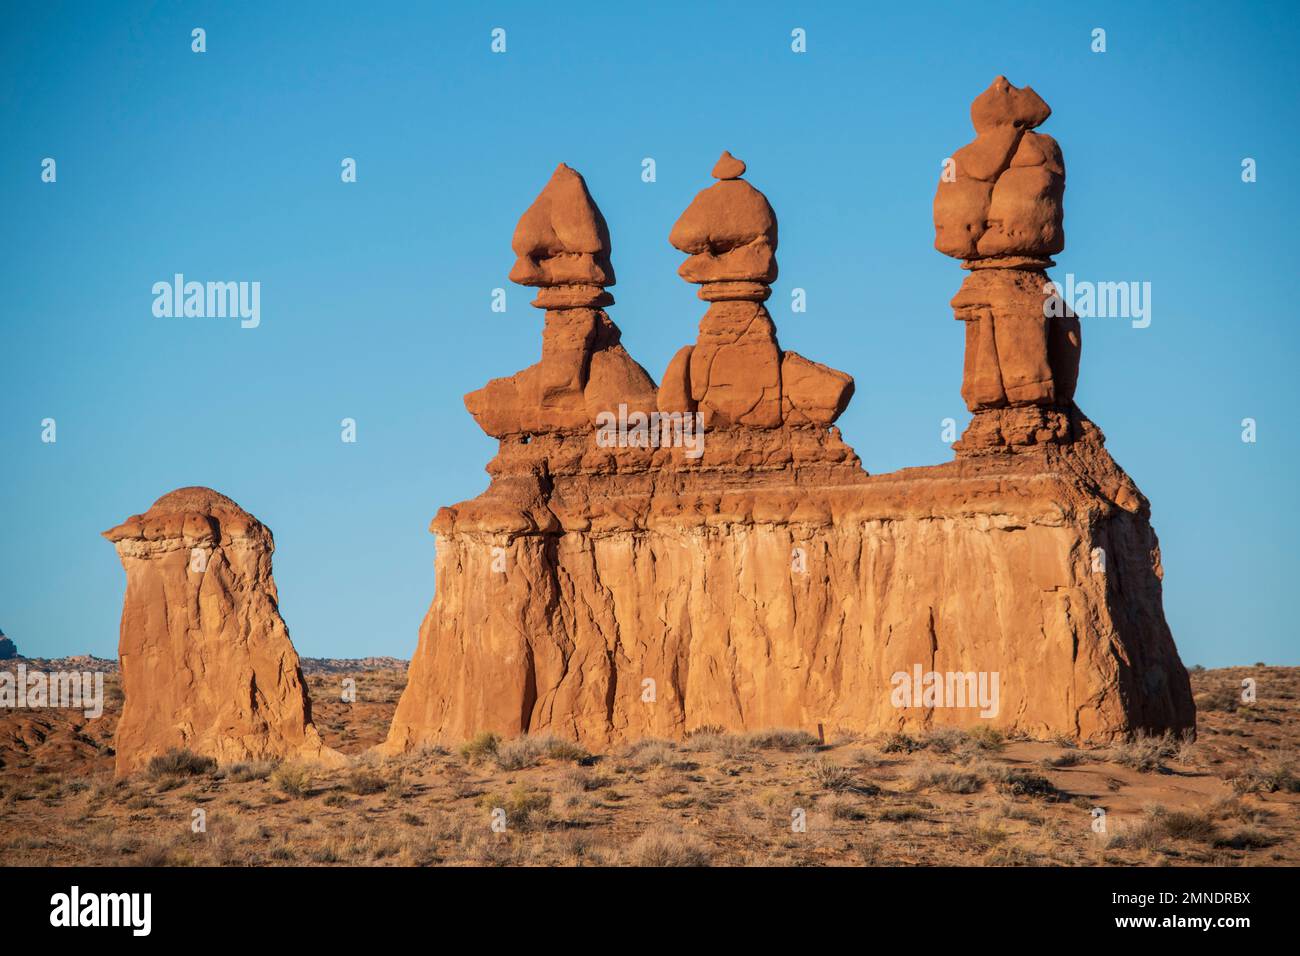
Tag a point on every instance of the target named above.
point(206, 659)
point(563, 248)
point(1001, 211)
point(735, 370)
point(1002, 196)
point(729, 231)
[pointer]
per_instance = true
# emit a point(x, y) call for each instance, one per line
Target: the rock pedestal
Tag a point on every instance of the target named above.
point(206, 659)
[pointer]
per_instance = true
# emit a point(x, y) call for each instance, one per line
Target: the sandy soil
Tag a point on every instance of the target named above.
point(715, 799)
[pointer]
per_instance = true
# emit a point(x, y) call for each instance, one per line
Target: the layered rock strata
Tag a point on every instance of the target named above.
point(606, 592)
point(206, 659)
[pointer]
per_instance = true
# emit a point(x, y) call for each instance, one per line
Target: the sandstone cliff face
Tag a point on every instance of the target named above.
point(206, 659)
point(610, 591)
point(791, 598)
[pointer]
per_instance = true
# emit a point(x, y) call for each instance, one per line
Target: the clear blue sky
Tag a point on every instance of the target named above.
point(376, 295)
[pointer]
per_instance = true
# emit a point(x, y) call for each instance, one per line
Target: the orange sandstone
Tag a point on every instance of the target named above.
point(609, 592)
point(206, 659)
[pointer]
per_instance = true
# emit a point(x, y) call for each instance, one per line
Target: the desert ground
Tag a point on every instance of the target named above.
point(779, 797)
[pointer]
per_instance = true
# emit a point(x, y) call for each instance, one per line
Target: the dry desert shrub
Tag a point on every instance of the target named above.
point(1145, 753)
point(1067, 758)
point(985, 738)
point(1016, 782)
point(292, 780)
point(946, 779)
point(246, 772)
point(661, 847)
point(1270, 778)
point(1160, 824)
point(779, 738)
point(363, 782)
point(653, 752)
point(1245, 838)
point(831, 776)
point(900, 743)
point(1224, 699)
point(902, 813)
point(526, 808)
point(1194, 825)
point(712, 739)
point(865, 759)
point(828, 775)
point(945, 740)
point(524, 752)
point(841, 806)
point(1009, 854)
point(180, 762)
point(584, 780)
point(666, 784)
point(481, 746)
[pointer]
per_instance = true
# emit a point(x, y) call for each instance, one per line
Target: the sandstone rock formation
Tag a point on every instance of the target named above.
point(563, 248)
point(736, 373)
point(1001, 212)
point(206, 659)
point(608, 592)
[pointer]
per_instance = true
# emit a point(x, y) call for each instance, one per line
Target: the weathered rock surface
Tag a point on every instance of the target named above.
point(8, 650)
point(776, 584)
point(608, 593)
point(564, 250)
point(206, 659)
point(735, 370)
point(1002, 215)
point(1005, 197)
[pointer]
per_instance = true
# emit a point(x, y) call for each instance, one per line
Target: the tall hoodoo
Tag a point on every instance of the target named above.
point(999, 209)
point(206, 659)
point(563, 247)
point(736, 373)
